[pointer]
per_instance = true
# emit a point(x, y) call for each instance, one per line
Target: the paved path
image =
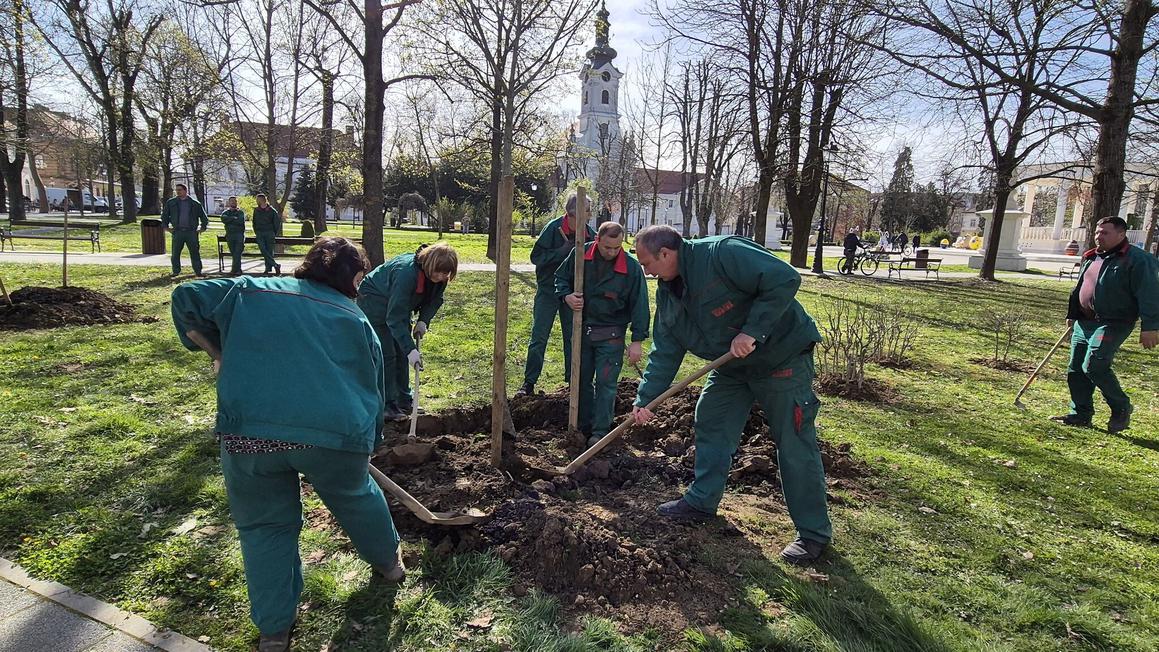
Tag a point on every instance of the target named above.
point(38, 616)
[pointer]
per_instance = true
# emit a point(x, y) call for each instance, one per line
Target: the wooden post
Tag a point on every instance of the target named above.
point(64, 261)
point(499, 409)
point(4, 291)
point(577, 318)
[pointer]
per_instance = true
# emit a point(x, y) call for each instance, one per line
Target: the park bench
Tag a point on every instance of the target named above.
point(222, 245)
point(53, 232)
point(907, 262)
point(1070, 272)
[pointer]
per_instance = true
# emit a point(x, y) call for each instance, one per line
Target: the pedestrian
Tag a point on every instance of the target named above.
point(1118, 284)
point(917, 241)
point(728, 294)
point(883, 242)
point(403, 286)
point(615, 295)
point(554, 243)
point(900, 242)
point(306, 329)
point(234, 220)
point(267, 223)
point(849, 247)
point(184, 217)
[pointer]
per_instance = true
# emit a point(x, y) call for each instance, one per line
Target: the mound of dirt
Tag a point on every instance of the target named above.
point(1013, 366)
point(594, 539)
point(40, 307)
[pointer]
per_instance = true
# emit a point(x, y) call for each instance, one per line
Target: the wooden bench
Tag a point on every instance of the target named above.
point(7, 235)
point(1072, 272)
point(222, 245)
point(931, 265)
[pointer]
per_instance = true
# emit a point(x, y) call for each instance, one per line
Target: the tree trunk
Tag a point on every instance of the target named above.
point(150, 185)
point(1154, 225)
point(496, 172)
point(41, 191)
point(4, 184)
point(1002, 192)
point(372, 135)
point(1115, 115)
point(14, 166)
point(764, 195)
point(322, 173)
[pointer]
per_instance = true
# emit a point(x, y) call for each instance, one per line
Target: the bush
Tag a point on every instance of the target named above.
point(1008, 327)
point(895, 333)
point(847, 343)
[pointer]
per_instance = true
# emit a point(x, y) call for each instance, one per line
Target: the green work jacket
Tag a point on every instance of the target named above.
point(234, 221)
point(615, 292)
point(172, 212)
point(726, 285)
point(300, 362)
point(396, 289)
point(553, 245)
point(1127, 289)
point(267, 220)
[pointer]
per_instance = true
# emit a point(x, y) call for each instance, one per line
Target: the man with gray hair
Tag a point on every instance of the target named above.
point(555, 242)
point(728, 294)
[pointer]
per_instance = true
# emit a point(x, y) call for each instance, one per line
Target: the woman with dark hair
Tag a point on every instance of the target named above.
point(306, 330)
point(400, 287)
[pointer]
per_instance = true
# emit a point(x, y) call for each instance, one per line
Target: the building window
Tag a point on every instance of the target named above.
point(669, 203)
point(604, 131)
point(607, 76)
point(604, 97)
point(585, 97)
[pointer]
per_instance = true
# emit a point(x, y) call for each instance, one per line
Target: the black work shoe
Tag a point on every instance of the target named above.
point(680, 510)
point(279, 642)
point(278, 270)
point(803, 552)
point(1120, 421)
point(1076, 420)
point(392, 413)
point(526, 389)
point(407, 408)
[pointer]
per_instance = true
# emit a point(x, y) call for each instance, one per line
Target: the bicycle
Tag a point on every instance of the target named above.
point(864, 260)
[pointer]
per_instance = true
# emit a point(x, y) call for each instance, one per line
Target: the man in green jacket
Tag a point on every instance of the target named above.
point(234, 220)
point(615, 294)
point(185, 218)
point(1117, 285)
point(723, 294)
point(267, 225)
point(555, 242)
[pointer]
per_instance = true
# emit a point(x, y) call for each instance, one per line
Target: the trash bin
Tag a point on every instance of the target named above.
point(152, 237)
point(922, 255)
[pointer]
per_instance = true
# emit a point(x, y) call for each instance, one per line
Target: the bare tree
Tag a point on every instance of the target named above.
point(14, 90)
point(648, 116)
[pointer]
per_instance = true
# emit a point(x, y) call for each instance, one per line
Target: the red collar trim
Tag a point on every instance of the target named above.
point(1121, 249)
point(421, 283)
point(566, 226)
point(621, 266)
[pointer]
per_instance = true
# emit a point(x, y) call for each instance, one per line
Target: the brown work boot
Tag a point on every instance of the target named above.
point(1120, 421)
point(395, 573)
point(526, 389)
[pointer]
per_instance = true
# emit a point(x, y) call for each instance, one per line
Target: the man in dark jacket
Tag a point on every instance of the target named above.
point(1117, 285)
point(728, 294)
point(852, 242)
point(185, 218)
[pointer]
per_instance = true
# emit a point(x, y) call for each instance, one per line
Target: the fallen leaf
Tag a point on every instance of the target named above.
point(192, 576)
point(315, 557)
point(208, 531)
point(117, 555)
point(482, 621)
point(68, 409)
point(927, 510)
point(186, 527)
point(203, 639)
point(1028, 555)
point(1010, 464)
point(142, 401)
point(145, 529)
point(814, 576)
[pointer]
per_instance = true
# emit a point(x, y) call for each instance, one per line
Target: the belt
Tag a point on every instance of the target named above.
point(603, 333)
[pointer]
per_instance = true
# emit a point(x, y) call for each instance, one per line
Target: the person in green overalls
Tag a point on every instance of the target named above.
point(555, 242)
point(1118, 284)
point(728, 294)
point(185, 218)
point(267, 226)
point(234, 220)
point(615, 294)
point(307, 328)
point(389, 295)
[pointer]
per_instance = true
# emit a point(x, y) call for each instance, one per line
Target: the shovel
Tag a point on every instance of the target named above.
point(627, 423)
point(425, 515)
point(1018, 399)
point(412, 452)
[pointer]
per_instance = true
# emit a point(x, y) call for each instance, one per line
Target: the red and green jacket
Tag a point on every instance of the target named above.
point(395, 290)
point(1127, 289)
point(555, 242)
point(615, 292)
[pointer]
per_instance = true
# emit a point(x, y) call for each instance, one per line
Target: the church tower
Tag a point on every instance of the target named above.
point(598, 132)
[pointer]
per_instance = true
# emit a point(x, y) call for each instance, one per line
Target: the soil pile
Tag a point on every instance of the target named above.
point(593, 538)
point(40, 307)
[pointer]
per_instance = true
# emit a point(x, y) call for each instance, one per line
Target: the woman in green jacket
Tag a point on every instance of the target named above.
point(307, 329)
point(390, 294)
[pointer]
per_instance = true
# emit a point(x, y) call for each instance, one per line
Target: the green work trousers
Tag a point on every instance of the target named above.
point(544, 312)
point(265, 501)
point(183, 238)
point(600, 364)
point(787, 397)
point(395, 370)
point(266, 246)
point(1092, 350)
point(236, 244)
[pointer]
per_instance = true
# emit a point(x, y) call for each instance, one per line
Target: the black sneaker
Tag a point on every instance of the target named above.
point(803, 552)
point(279, 642)
point(1120, 421)
point(278, 269)
point(680, 510)
point(526, 389)
point(1076, 420)
point(392, 413)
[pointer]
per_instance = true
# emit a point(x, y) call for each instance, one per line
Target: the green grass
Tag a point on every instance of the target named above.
point(105, 453)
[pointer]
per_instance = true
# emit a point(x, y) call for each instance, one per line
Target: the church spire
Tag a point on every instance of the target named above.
point(602, 53)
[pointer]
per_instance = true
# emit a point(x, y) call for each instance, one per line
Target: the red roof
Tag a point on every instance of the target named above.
point(667, 182)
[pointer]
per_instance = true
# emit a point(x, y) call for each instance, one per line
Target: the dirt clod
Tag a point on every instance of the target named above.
point(40, 307)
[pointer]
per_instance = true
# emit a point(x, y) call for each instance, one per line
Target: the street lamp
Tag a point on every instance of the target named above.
point(818, 263)
point(532, 230)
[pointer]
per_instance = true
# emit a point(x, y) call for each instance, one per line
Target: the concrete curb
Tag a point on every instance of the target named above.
point(102, 612)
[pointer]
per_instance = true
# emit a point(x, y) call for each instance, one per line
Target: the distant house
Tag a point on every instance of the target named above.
point(65, 152)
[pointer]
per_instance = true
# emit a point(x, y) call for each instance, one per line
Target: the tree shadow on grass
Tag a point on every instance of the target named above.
point(1150, 444)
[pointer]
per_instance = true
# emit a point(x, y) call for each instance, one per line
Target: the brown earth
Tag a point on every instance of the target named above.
point(39, 307)
point(593, 539)
point(1013, 366)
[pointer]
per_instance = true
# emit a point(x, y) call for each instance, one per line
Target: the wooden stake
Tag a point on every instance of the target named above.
point(4, 291)
point(500, 413)
point(577, 318)
point(64, 260)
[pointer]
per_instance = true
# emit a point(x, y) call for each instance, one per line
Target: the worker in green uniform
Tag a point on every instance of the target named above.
point(267, 226)
point(728, 294)
point(389, 295)
point(614, 295)
point(307, 328)
point(555, 242)
point(184, 217)
point(234, 220)
point(1118, 284)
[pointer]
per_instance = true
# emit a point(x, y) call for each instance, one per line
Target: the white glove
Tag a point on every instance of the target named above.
point(420, 329)
point(415, 359)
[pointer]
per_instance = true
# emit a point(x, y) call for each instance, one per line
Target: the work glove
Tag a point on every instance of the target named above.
point(415, 359)
point(420, 329)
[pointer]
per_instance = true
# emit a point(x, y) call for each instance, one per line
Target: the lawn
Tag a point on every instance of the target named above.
point(988, 528)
